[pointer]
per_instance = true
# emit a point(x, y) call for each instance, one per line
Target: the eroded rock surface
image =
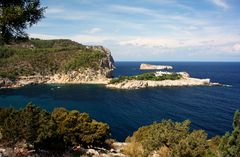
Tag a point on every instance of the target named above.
point(185, 80)
point(155, 67)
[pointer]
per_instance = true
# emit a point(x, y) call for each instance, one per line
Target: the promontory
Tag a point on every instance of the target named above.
point(53, 61)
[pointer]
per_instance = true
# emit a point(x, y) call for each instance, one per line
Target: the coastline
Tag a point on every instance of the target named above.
point(139, 84)
point(25, 82)
point(125, 85)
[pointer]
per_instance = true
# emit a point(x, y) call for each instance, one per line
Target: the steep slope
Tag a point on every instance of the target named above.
point(53, 61)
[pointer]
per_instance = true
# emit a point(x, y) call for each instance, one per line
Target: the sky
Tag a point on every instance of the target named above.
point(147, 30)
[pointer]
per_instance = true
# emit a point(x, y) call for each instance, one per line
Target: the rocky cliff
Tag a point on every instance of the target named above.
point(53, 61)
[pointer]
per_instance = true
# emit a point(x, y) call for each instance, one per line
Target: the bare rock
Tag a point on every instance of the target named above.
point(185, 80)
point(92, 152)
point(5, 82)
point(155, 67)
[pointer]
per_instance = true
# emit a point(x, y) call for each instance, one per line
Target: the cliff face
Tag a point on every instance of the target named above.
point(54, 61)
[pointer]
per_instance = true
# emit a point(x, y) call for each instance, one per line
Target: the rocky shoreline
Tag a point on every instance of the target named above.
point(185, 80)
point(24, 150)
point(88, 76)
point(137, 84)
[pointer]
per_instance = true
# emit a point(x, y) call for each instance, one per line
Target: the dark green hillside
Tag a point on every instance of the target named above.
point(47, 57)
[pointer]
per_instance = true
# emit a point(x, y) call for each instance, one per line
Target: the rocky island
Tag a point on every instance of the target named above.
point(53, 61)
point(155, 67)
point(158, 79)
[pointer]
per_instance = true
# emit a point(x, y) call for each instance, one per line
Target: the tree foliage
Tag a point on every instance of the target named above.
point(236, 120)
point(47, 57)
point(173, 138)
point(16, 16)
point(55, 130)
point(76, 127)
point(230, 142)
point(62, 128)
point(147, 76)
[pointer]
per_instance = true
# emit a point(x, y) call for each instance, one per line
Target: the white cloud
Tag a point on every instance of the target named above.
point(220, 3)
point(149, 42)
point(130, 9)
point(143, 11)
point(95, 30)
point(144, 41)
point(126, 47)
point(236, 47)
point(55, 10)
point(175, 43)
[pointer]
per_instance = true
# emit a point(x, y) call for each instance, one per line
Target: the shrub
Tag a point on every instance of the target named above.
point(43, 43)
point(120, 79)
point(47, 57)
point(230, 142)
point(55, 130)
point(89, 59)
point(147, 76)
point(134, 149)
point(174, 136)
point(76, 127)
point(6, 52)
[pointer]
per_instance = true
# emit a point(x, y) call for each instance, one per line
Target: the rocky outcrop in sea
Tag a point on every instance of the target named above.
point(155, 67)
point(185, 80)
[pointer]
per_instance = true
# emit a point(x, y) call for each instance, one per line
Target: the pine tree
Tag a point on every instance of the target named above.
point(17, 15)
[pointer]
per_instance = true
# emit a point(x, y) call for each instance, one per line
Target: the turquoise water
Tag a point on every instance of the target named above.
point(209, 108)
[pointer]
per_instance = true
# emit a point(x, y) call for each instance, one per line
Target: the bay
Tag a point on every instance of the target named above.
point(209, 108)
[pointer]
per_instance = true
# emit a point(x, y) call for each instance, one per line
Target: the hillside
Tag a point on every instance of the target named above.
point(53, 61)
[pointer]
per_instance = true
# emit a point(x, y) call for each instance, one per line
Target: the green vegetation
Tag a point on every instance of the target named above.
point(57, 130)
point(16, 16)
point(173, 139)
point(147, 76)
point(170, 139)
point(46, 57)
point(230, 142)
point(61, 129)
point(85, 60)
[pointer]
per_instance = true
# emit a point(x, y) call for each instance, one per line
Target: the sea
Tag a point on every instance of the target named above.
point(208, 108)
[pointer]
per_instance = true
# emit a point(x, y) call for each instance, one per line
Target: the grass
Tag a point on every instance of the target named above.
point(46, 57)
point(147, 76)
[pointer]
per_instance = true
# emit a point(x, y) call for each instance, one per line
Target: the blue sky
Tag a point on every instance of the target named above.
point(148, 30)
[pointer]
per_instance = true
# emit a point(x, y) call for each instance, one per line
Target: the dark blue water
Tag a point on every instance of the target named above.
point(209, 108)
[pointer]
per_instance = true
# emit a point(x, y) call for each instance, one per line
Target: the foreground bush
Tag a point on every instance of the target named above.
point(230, 142)
point(62, 128)
point(173, 139)
point(56, 130)
point(168, 138)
